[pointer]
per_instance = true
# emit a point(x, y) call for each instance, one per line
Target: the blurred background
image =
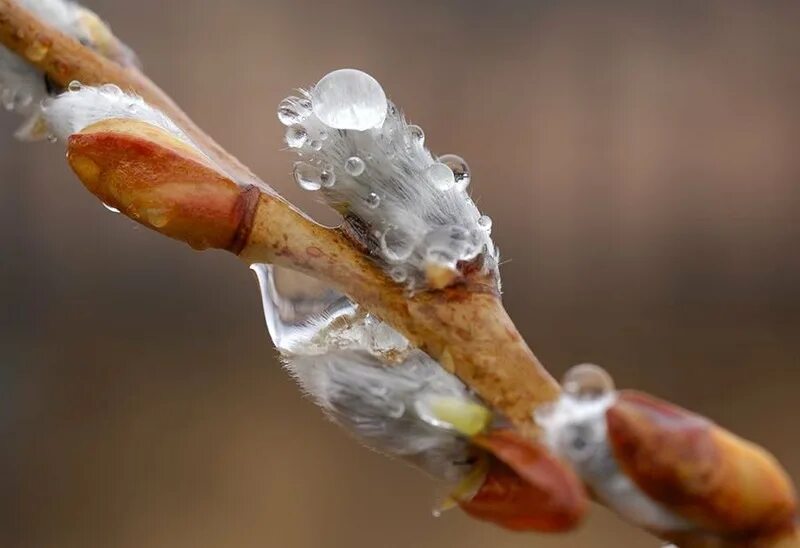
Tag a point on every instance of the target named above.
point(639, 159)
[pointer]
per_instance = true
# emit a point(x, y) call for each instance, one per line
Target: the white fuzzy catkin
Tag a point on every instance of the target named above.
point(366, 377)
point(575, 428)
point(82, 106)
point(410, 208)
point(22, 86)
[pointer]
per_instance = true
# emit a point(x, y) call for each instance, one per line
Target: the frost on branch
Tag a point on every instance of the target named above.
point(23, 86)
point(409, 208)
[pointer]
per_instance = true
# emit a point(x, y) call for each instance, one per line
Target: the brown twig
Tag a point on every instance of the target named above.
point(464, 327)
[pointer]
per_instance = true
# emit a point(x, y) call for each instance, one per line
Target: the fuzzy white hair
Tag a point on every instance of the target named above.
point(367, 377)
point(82, 106)
point(575, 429)
point(408, 207)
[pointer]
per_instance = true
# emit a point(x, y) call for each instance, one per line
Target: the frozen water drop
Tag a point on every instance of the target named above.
point(296, 136)
point(459, 168)
point(354, 166)
point(349, 99)
point(373, 200)
point(307, 176)
point(587, 382)
point(485, 223)
point(441, 176)
point(293, 110)
point(396, 244)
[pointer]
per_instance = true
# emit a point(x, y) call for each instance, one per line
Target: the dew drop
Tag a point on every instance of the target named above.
point(440, 176)
point(459, 168)
point(308, 177)
point(349, 99)
point(354, 166)
point(587, 382)
point(485, 223)
point(396, 244)
point(296, 136)
point(293, 110)
point(372, 200)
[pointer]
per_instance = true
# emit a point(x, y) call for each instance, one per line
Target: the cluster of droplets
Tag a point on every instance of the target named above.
point(355, 147)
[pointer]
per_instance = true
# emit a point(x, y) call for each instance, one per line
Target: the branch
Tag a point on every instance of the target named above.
point(212, 200)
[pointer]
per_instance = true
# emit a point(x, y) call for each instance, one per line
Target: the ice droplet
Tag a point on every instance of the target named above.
point(349, 99)
point(396, 244)
point(296, 136)
point(587, 382)
point(293, 110)
point(441, 176)
point(354, 166)
point(459, 168)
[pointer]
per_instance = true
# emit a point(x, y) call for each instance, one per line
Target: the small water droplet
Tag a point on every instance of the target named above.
point(307, 176)
point(354, 166)
point(459, 168)
point(485, 223)
point(416, 134)
point(587, 382)
point(296, 136)
point(373, 200)
point(349, 99)
point(75, 85)
point(315, 144)
point(396, 244)
point(327, 177)
point(398, 274)
point(52, 138)
point(112, 209)
point(293, 110)
point(440, 176)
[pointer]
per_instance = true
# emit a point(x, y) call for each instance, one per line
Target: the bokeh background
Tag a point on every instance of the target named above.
point(640, 160)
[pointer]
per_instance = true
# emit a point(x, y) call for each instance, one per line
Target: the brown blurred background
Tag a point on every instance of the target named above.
point(640, 161)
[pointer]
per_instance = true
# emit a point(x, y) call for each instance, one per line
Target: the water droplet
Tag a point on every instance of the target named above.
point(296, 136)
point(307, 176)
point(75, 85)
point(373, 200)
point(485, 223)
point(449, 244)
point(111, 88)
point(327, 177)
point(416, 134)
point(112, 209)
point(396, 244)
point(293, 110)
point(323, 135)
point(587, 382)
point(398, 274)
point(459, 168)
point(440, 176)
point(354, 166)
point(349, 99)
point(52, 138)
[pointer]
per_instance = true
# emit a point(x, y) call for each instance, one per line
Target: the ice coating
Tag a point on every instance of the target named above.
point(574, 428)
point(409, 208)
point(367, 377)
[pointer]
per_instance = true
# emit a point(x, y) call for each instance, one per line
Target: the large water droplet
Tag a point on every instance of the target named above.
point(293, 110)
point(587, 382)
point(396, 244)
point(459, 168)
point(349, 99)
point(310, 177)
point(354, 166)
point(296, 136)
point(440, 176)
